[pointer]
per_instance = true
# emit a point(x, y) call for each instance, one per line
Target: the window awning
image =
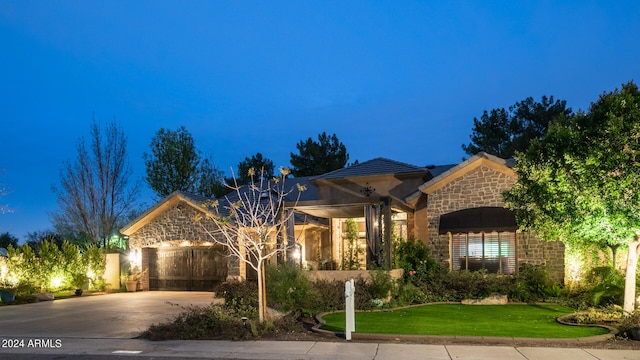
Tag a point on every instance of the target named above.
point(478, 219)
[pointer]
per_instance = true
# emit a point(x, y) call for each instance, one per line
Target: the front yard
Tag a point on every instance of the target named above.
point(526, 321)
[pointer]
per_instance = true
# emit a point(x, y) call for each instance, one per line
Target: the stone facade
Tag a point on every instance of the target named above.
point(483, 186)
point(175, 227)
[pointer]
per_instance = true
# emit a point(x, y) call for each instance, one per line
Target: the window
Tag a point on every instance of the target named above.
point(493, 251)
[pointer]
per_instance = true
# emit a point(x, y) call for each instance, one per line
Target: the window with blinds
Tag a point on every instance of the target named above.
point(493, 251)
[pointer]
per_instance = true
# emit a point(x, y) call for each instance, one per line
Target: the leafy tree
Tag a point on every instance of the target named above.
point(319, 157)
point(175, 164)
point(7, 239)
point(210, 181)
point(94, 192)
point(503, 132)
point(579, 182)
point(262, 166)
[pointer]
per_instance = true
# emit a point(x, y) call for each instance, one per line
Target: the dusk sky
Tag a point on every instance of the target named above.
point(395, 79)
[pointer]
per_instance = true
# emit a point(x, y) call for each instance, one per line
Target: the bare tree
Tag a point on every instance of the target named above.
point(250, 220)
point(94, 193)
point(3, 192)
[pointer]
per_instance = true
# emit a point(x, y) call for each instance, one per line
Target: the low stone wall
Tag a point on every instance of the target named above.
point(344, 275)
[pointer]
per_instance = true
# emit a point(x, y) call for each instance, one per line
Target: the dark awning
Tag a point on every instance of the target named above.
point(478, 219)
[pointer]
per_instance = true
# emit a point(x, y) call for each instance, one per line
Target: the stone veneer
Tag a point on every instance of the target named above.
point(173, 227)
point(483, 186)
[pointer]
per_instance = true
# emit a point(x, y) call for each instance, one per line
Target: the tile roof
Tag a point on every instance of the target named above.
point(377, 166)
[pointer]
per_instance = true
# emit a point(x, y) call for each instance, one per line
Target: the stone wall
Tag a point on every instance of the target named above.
point(174, 227)
point(483, 186)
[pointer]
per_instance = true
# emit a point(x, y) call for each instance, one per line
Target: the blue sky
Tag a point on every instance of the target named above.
point(395, 79)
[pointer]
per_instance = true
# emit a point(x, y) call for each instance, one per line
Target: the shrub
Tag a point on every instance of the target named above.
point(413, 256)
point(607, 286)
point(533, 283)
point(216, 322)
point(289, 289)
point(409, 294)
point(240, 297)
point(330, 295)
point(380, 284)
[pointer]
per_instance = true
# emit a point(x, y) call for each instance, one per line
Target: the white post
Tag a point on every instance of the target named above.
point(353, 305)
point(349, 308)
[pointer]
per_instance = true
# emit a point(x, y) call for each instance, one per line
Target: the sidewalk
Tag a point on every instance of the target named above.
point(308, 350)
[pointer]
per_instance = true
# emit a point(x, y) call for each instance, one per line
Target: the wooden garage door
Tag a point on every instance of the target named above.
point(186, 268)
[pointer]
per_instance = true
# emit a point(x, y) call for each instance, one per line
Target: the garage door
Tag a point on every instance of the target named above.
point(186, 268)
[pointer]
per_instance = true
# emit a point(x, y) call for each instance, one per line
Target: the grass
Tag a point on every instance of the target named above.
point(532, 321)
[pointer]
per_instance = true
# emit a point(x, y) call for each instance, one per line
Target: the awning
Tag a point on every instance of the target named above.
point(478, 219)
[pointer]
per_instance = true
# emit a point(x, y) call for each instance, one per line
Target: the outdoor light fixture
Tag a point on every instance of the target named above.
point(367, 190)
point(297, 253)
point(244, 321)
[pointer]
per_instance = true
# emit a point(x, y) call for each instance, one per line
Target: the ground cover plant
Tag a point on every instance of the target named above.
point(533, 321)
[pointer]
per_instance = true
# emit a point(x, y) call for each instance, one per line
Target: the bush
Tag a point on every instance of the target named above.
point(239, 297)
point(380, 284)
point(216, 322)
point(607, 286)
point(331, 295)
point(289, 289)
point(409, 294)
point(533, 283)
point(413, 256)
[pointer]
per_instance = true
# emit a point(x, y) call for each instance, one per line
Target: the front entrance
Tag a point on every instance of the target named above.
point(186, 268)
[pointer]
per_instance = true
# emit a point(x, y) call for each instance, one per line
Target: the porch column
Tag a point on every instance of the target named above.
point(386, 218)
point(372, 217)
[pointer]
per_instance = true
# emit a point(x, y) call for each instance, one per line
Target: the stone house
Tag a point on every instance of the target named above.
point(457, 210)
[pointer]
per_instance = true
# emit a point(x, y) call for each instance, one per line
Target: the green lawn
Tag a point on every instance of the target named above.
point(535, 321)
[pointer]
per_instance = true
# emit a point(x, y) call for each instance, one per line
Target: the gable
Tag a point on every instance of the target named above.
point(175, 199)
point(481, 167)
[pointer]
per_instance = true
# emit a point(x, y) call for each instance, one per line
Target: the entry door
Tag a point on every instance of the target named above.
point(186, 268)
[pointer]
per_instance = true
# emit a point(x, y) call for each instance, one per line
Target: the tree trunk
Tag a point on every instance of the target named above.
point(262, 303)
point(630, 276)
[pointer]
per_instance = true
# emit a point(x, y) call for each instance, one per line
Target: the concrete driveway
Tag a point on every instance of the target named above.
point(119, 315)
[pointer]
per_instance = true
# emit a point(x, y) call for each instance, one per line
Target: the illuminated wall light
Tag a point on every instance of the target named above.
point(164, 245)
point(185, 243)
point(207, 243)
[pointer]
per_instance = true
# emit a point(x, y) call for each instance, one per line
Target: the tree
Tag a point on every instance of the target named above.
point(211, 180)
point(94, 192)
point(249, 221)
point(260, 165)
point(579, 182)
point(7, 239)
point(175, 164)
point(3, 192)
point(503, 132)
point(319, 157)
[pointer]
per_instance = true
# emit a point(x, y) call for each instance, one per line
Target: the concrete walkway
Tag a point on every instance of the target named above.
point(88, 348)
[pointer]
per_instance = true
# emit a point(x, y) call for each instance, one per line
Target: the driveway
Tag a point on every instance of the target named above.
point(118, 315)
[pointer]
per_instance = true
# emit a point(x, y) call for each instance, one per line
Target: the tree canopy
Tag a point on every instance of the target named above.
point(7, 239)
point(502, 132)
point(318, 157)
point(579, 182)
point(176, 164)
point(261, 167)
